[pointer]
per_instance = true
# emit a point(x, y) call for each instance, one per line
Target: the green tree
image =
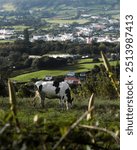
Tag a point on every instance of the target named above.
point(26, 37)
point(102, 47)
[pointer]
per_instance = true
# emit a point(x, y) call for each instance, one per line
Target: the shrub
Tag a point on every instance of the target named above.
point(96, 60)
point(25, 91)
point(3, 87)
point(99, 83)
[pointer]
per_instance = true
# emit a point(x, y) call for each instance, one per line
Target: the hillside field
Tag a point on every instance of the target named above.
point(63, 21)
point(54, 122)
point(83, 65)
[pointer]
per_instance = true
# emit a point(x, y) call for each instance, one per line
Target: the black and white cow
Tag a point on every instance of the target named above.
point(53, 89)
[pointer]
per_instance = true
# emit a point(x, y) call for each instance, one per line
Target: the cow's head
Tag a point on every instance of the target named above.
point(38, 85)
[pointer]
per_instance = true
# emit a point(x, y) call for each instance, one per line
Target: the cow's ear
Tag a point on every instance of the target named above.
point(40, 88)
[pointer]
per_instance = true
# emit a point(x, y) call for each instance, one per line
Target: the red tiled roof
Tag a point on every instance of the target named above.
point(72, 80)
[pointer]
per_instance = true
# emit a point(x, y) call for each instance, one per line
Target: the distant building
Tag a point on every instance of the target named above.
point(89, 40)
point(48, 78)
point(71, 74)
point(34, 56)
point(6, 34)
point(38, 37)
point(82, 76)
point(72, 80)
point(61, 55)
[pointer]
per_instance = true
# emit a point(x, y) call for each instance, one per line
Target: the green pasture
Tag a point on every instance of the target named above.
point(39, 74)
point(117, 16)
point(16, 27)
point(98, 10)
point(9, 7)
point(6, 41)
point(112, 12)
point(46, 27)
point(11, 17)
point(20, 27)
point(53, 122)
point(83, 65)
point(64, 21)
point(52, 110)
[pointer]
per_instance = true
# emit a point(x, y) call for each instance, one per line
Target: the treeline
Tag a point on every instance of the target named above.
point(15, 56)
point(41, 47)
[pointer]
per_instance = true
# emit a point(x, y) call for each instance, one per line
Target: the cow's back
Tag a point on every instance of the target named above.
point(53, 88)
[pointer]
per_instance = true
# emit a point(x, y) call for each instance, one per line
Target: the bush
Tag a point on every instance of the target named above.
point(24, 91)
point(96, 60)
point(3, 87)
point(47, 62)
point(99, 83)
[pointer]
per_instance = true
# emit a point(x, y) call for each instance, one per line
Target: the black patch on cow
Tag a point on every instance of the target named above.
point(57, 90)
point(68, 94)
point(56, 84)
point(40, 88)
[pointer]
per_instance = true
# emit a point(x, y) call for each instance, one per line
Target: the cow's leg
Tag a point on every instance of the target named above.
point(34, 100)
point(61, 103)
point(42, 103)
point(42, 99)
point(67, 107)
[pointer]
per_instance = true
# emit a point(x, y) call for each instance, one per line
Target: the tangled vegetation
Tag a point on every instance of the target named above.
point(24, 127)
point(43, 128)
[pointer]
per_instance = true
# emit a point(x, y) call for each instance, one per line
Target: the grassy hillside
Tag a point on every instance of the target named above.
point(65, 21)
point(82, 66)
point(9, 7)
point(53, 123)
point(59, 8)
point(42, 14)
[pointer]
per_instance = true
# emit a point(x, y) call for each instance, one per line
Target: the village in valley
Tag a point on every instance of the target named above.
point(101, 29)
point(38, 34)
